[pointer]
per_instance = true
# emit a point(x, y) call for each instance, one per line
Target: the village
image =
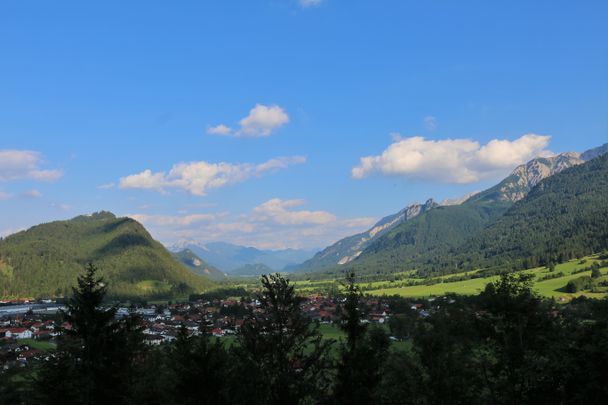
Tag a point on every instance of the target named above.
point(28, 335)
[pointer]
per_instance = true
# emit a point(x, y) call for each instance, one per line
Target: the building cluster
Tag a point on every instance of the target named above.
point(21, 333)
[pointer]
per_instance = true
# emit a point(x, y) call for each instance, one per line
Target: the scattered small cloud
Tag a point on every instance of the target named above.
point(33, 193)
point(281, 212)
point(430, 123)
point(219, 130)
point(261, 121)
point(309, 3)
point(62, 206)
point(452, 160)
point(106, 186)
point(5, 196)
point(198, 178)
point(25, 165)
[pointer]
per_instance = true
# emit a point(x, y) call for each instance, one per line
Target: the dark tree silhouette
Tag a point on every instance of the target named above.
point(281, 354)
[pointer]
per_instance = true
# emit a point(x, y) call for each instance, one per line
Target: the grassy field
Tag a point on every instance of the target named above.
point(549, 288)
point(38, 344)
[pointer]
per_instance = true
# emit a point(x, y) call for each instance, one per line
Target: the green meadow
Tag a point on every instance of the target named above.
point(554, 287)
point(441, 285)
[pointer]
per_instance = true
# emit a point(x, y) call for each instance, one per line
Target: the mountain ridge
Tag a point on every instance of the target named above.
point(461, 217)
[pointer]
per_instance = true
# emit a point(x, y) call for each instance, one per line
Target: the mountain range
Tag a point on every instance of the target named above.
point(415, 235)
point(240, 260)
point(548, 210)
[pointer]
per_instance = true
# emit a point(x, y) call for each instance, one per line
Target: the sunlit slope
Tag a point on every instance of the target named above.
point(45, 260)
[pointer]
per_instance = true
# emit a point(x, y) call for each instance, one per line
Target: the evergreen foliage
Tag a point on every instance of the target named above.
point(505, 346)
point(361, 356)
point(45, 260)
point(281, 354)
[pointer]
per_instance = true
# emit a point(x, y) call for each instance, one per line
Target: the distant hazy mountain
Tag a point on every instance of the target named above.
point(595, 152)
point(228, 257)
point(252, 270)
point(45, 260)
point(197, 265)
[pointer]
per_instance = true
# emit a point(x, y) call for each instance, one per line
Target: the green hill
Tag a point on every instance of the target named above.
point(252, 270)
point(198, 265)
point(45, 260)
point(433, 234)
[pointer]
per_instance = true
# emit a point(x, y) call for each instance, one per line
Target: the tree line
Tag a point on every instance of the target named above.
point(504, 346)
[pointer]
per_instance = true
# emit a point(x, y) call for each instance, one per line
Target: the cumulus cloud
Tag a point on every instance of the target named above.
point(172, 220)
point(199, 177)
point(273, 224)
point(262, 120)
point(452, 160)
point(24, 165)
point(280, 212)
point(309, 3)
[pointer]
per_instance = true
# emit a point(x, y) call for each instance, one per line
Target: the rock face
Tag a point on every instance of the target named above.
point(521, 180)
point(346, 250)
point(524, 177)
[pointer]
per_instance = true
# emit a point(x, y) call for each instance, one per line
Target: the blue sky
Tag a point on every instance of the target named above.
point(117, 105)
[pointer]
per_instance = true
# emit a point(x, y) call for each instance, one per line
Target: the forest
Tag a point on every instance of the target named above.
point(504, 346)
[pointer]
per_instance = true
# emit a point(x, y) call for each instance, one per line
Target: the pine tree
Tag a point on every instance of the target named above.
point(96, 358)
point(361, 356)
point(280, 351)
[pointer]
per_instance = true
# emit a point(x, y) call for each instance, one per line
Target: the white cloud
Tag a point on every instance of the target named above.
point(262, 120)
point(309, 3)
point(199, 177)
point(451, 160)
point(430, 123)
point(24, 165)
point(106, 186)
point(145, 180)
point(219, 130)
point(33, 193)
point(274, 224)
point(280, 212)
point(4, 195)
point(171, 220)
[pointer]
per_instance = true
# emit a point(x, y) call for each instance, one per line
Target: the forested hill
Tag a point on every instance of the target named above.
point(564, 216)
point(45, 260)
point(413, 241)
point(198, 265)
